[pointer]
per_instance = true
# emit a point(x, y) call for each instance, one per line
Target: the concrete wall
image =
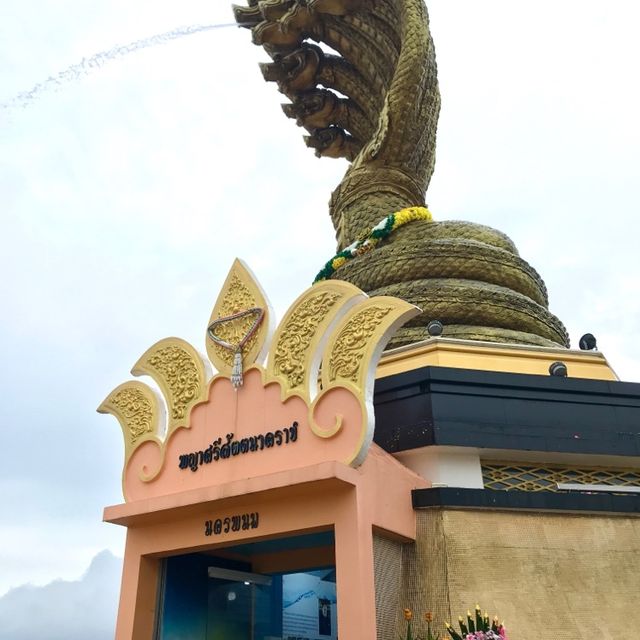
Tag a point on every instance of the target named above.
point(566, 577)
point(387, 563)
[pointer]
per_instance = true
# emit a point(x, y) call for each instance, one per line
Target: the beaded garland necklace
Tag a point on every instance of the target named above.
point(236, 371)
point(369, 241)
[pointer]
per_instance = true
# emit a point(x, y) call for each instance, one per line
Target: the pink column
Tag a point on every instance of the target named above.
point(138, 594)
point(354, 574)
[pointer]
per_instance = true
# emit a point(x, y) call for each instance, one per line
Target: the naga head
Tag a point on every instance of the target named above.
point(331, 142)
point(313, 109)
point(284, 28)
point(294, 71)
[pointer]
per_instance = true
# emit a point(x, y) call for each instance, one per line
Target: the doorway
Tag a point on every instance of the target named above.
point(278, 589)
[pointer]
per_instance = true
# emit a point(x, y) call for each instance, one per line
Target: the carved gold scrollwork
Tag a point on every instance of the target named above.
point(289, 358)
point(360, 337)
point(240, 292)
point(180, 372)
point(348, 352)
point(351, 357)
point(139, 412)
point(297, 346)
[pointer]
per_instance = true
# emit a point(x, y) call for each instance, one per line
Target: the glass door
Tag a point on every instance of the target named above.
point(289, 606)
point(230, 610)
point(243, 605)
point(208, 597)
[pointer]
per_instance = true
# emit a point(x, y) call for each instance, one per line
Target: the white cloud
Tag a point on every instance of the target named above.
point(63, 610)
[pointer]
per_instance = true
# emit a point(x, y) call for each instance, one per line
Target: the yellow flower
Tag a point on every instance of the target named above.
point(338, 262)
point(409, 214)
point(428, 616)
point(407, 614)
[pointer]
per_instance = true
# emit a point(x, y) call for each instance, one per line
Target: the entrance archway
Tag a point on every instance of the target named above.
point(281, 588)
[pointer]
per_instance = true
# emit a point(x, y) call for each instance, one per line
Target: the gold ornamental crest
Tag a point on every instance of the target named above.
point(330, 338)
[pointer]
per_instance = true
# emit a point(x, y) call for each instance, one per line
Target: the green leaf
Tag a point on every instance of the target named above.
point(470, 623)
point(454, 634)
point(479, 621)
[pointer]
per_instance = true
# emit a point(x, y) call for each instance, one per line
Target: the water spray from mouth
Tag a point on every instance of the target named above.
point(98, 60)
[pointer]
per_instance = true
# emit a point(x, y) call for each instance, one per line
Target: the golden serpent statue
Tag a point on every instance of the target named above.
point(374, 100)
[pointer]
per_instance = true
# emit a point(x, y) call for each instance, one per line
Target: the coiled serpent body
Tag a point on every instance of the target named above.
point(374, 100)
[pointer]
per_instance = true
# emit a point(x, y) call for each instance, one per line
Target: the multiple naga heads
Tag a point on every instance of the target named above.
point(329, 118)
point(382, 79)
point(374, 100)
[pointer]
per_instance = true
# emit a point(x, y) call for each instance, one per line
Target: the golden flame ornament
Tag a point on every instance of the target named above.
point(240, 324)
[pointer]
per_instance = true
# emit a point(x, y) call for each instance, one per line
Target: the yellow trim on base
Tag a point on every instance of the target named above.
point(490, 356)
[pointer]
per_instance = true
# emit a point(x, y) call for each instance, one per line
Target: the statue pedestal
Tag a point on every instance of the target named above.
point(534, 497)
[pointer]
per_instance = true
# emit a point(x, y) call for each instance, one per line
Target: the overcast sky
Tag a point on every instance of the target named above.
point(126, 194)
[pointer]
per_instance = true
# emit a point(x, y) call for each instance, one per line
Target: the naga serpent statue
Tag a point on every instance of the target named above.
point(370, 95)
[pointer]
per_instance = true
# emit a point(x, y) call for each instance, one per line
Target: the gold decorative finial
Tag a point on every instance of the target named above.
point(140, 412)
point(303, 332)
point(239, 325)
point(333, 324)
point(180, 372)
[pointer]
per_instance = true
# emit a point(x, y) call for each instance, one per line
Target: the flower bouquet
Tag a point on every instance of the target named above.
point(477, 627)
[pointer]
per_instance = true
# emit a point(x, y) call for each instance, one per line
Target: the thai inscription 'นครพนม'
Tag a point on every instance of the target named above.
point(231, 523)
